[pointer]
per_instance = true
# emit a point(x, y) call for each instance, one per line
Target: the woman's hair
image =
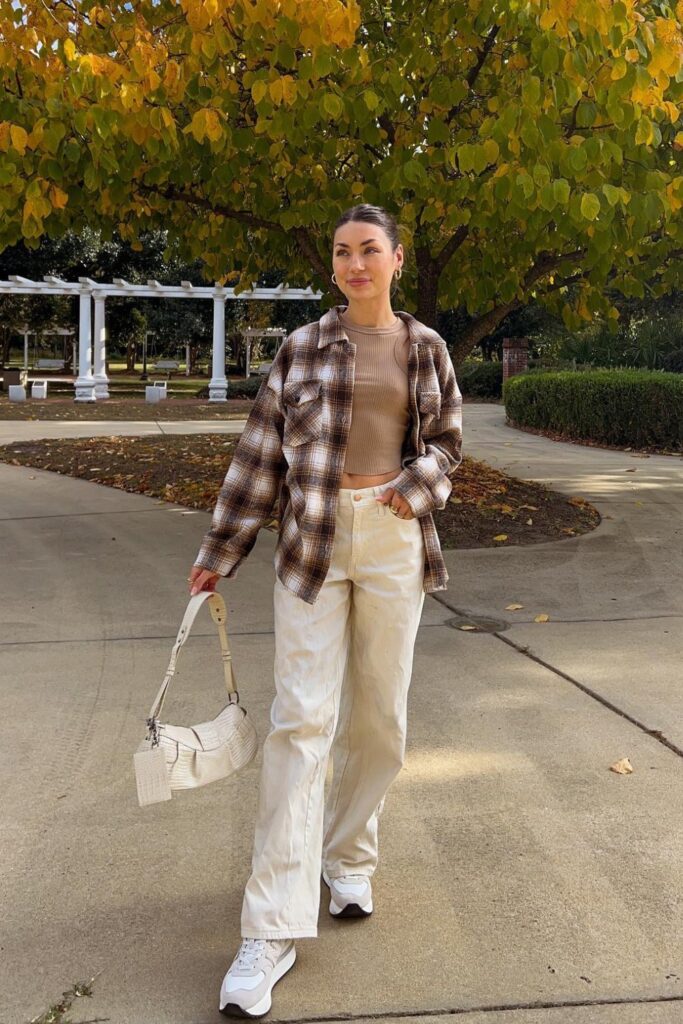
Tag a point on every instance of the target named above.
point(373, 215)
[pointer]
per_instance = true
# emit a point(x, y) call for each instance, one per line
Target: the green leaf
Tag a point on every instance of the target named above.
point(612, 194)
point(331, 104)
point(371, 99)
point(561, 190)
point(590, 205)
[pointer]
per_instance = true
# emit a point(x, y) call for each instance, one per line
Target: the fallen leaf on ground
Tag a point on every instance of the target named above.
point(513, 607)
point(622, 767)
point(542, 618)
point(467, 627)
point(501, 536)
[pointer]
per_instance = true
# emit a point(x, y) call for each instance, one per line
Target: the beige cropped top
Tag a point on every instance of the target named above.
point(380, 414)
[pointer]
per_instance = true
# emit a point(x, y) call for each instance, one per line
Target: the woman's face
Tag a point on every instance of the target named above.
point(363, 261)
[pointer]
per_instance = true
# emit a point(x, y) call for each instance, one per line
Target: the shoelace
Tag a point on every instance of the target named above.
point(249, 952)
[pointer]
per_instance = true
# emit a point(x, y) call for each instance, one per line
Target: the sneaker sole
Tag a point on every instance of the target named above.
point(261, 1008)
point(351, 909)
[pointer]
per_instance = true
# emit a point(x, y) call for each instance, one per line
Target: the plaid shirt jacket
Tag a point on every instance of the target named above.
point(293, 449)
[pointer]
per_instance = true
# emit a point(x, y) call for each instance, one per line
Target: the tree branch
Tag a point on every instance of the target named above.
point(473, 73)
point(451, 246)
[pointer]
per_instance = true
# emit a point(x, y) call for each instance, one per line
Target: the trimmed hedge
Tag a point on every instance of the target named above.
point(620, 407)
point(246, 387)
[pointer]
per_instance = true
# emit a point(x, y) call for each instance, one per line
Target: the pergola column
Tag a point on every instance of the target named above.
point(84, 385)
point(101, 379)
point(218, 386)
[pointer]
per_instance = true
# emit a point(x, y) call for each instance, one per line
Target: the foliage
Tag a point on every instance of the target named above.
point(673, 361)
point(480, 379)
point(643, 343)
point(619, 407)
point(525, 146)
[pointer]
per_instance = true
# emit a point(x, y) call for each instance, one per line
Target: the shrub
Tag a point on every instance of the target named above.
point(480, 379)
point(673, 362)
point(620, 407)
point(246, 387)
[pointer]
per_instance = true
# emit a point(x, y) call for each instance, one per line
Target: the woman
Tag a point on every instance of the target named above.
point(356, 431)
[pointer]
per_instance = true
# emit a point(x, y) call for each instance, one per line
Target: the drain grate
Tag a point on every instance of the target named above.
point(481, 625)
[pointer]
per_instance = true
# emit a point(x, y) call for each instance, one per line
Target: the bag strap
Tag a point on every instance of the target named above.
point(219, 615)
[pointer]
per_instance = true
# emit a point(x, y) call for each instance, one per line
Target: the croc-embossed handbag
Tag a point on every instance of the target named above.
point(180, 757)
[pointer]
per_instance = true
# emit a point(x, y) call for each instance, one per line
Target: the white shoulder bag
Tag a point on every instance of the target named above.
point(180, 757)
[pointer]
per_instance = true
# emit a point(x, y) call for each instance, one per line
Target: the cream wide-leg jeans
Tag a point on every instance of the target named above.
point(343, 663)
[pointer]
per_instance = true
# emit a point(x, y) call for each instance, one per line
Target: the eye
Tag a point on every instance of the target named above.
point(343, 253)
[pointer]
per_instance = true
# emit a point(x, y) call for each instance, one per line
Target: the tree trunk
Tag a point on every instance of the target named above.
point(131, 353)
point(427, 289)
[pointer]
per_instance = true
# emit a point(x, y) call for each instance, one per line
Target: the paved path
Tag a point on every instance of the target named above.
point(520, 881)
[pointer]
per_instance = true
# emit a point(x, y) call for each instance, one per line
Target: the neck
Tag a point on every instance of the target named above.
point(369, 314)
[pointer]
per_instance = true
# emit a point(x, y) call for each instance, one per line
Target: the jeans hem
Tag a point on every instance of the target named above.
point(305, 932)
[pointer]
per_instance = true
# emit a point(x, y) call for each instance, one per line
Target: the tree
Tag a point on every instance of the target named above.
point(526, 147)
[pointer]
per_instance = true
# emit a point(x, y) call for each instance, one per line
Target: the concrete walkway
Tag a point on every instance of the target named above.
point(520, 882)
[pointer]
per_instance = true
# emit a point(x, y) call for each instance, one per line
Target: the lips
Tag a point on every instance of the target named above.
point(359, 280)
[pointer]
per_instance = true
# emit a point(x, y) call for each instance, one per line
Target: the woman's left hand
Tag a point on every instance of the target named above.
point(392, 497)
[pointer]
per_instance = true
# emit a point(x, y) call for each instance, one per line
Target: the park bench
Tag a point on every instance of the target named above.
point(167, 365)
point(49, 364)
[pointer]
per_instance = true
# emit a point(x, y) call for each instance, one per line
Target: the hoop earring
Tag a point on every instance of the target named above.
point(334, 280)
point(397, 273)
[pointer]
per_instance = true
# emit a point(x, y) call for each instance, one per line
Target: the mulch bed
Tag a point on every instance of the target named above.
point(487, 508)
point(132, 409)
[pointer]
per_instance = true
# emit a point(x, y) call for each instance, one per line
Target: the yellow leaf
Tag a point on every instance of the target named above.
point(69, 49)
point(289, 89)
point(513, 607)
point(58, 198)
point(467, 627)
point(275, 90)
point(491, 151)
point(214, 128)
point(19, 137)
point(501, 536)
point(198, 125)
point(542, 618)
point(259, 90)
point(622, 767)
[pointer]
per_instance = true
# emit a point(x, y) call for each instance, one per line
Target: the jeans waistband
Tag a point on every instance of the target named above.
point(357, 496)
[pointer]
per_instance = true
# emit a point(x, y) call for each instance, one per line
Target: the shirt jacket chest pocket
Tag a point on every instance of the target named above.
point(303, 404)
point(428, 403)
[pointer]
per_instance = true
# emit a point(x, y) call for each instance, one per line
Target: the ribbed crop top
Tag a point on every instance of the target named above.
point(380, 414)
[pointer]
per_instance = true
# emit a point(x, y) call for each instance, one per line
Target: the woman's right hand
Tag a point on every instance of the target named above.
point(202, 579)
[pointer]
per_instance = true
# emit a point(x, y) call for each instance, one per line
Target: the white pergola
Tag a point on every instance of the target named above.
point(92, 382)
point(25, 331)
point(250, 333)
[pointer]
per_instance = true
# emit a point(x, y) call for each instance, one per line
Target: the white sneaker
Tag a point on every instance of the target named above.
point(258, 965)
point(350, 895)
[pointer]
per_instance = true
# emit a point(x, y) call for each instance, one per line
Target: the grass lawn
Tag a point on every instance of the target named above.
point(487, 508)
